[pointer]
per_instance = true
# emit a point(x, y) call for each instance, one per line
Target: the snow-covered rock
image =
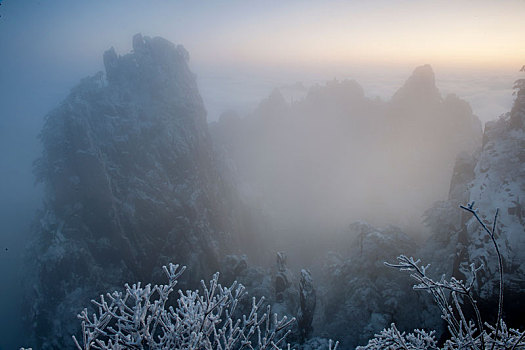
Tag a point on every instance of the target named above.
point(500, 183)
point(131, 184)
point(493, 178)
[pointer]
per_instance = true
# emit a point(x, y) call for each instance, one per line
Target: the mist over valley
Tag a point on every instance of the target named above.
point(282, 146)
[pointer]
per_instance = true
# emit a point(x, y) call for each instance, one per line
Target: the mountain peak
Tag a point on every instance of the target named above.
point(423, 74)
point(137, 181)
point(421, 84)
point(154, 63)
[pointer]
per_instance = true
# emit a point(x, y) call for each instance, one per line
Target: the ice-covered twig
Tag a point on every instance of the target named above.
point(470, 208)
point(462, 331)
point(392, 338)
point(139, 318)
point(459, 328)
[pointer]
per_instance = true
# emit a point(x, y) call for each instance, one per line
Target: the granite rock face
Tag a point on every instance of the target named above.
point(131, 184)
point(500, 183)
point(493, 178)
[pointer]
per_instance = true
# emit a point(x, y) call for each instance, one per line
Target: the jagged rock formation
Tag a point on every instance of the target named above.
point(337, 156)
point(131, 184)
point(500, 183)
point(286, 292)
point(282, 277)
point(426, 132)
point(308, 301)
point(493, 178)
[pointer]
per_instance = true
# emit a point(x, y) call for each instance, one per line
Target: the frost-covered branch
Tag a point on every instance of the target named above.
point(470, 209)
point(462, 331)
point(140, 318)
point(464, 334)
point(391, 338)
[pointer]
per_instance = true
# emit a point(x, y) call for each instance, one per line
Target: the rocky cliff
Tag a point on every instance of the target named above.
point(499, 182)
point(493, 178)
point(131, 184)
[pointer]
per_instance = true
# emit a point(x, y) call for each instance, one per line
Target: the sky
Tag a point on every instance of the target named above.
point(482, 33)
point(239, 51)
point(54, 43)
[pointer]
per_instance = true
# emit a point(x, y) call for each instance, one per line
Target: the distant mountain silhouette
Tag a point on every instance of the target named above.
point(337, 156)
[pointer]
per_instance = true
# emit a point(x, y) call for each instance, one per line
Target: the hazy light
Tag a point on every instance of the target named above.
point(397, 32)
point(481, 33)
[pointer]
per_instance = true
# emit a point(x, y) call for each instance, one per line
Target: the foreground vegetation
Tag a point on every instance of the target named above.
point(142, 318)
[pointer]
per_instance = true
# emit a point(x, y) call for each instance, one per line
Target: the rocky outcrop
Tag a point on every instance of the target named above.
point(421, 86)
point(283, 279)
point(500, 183)
point(131, 184)
point(308, 301)
point(493, 179)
